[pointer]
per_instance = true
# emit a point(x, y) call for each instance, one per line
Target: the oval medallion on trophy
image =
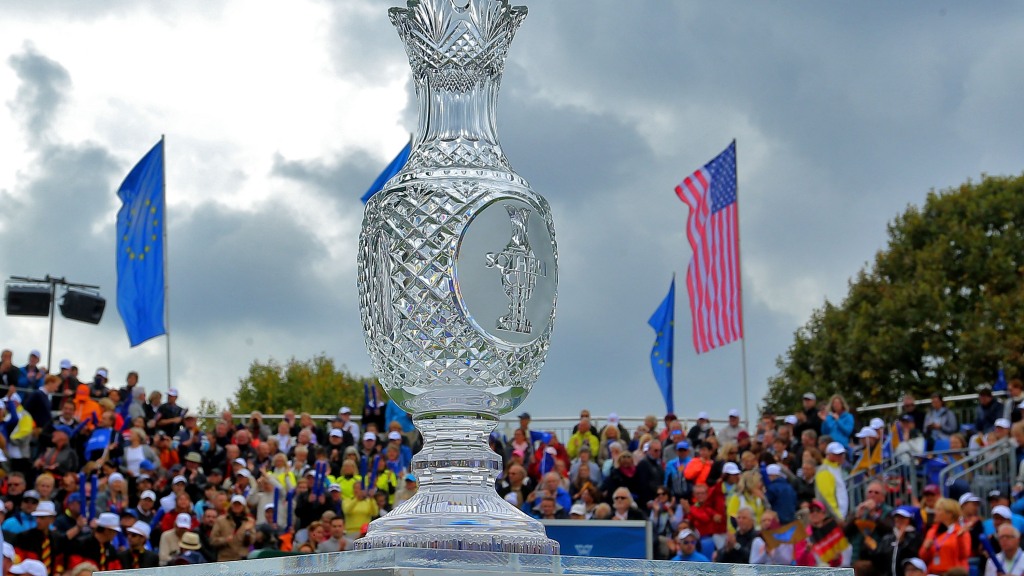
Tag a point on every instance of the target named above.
point(505, 274)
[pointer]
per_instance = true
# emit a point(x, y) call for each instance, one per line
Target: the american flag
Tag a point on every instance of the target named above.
point(713, 228)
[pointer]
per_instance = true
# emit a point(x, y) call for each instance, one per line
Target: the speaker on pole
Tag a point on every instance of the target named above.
point(28, 300)
point(82, 306)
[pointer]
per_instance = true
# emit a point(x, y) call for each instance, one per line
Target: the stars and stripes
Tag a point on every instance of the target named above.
point(713, 277)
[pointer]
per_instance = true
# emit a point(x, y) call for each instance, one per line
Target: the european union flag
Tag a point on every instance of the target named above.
point(663, 322)
point(140, 248)
point(396, 165)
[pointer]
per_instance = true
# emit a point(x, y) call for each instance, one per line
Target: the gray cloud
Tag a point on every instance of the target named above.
point(41, 94)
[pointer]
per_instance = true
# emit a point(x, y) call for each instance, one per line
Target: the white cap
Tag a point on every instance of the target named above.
point(334, 488)
point(684, 533)
point(917, 563)
point(734, 413)
point(337, 433)
point(877, 423)
point(110, 521)
point(394, 435)
point(148, 494)
point(835, 448)
point(36, 353)
point(65, 364)
point(901, 511)
point(101, 372)
point(578, 508)
point(244, 473)
point(30, 567)
point(116, 476)
point(238, 498)
point(968, 497)
point(141, 528)
point(369, 436)
point(774, 470)
point(183, 521)
point(180, 479)
point(268, 506)
point(1002, 423)
point(867, 432)
point(240, 462)
point(1002, 511)
point(172, 392)
point(45, 508)
point(613, 418)
point(730, 468)
point(791, 420)
point(344, 410)
point(702, 416)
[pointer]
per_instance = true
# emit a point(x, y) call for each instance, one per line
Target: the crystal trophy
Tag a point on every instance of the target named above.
point(457, 277)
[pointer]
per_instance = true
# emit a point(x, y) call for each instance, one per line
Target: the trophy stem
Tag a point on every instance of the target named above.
point(456, 506)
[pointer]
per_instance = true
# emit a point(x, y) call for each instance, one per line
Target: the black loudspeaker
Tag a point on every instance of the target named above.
point(28, 300)
point(82, 306)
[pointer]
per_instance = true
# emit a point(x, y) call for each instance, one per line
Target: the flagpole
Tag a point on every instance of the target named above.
point(167, 303)
point(743, 317)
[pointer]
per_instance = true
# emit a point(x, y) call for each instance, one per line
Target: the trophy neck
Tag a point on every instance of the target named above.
point(457, 52)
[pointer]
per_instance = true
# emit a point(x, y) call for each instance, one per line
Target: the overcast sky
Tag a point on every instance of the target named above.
point(278, 116)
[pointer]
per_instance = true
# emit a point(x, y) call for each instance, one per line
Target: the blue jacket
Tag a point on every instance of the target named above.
point(695, 557)
point(841, 429)
point(782, 496)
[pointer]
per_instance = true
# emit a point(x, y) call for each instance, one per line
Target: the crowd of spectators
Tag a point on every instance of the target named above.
point(102, 477)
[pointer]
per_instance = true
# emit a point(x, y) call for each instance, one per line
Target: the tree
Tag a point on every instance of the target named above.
point(315, 386)
point(939, 309)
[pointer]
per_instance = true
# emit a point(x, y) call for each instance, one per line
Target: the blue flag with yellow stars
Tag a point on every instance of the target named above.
point(663, 322)
point(140, 248)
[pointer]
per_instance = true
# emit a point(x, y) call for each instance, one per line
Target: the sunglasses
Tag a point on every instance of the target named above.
point(689, 542)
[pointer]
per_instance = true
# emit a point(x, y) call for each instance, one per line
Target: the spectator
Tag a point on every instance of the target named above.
point(40, 543)
point(989, 410)
point(59, 458)
point(31, 374)
point(947, 544)
point(748, 493)
point(359, 510)
point(622, 476)
point(232, 533)
point(584, 435)
point(1014, 398)
point(650, 473)
point(760, 553)
point(910, 407)
point(1008, 560)
point(96, 547)
point(873, 512)
point(623, 506)
point(781, 495)
point(826, 539)
point(896, 546)
point(190, 545)
point(37, 402)
point(688, 550)
point(170, 540)
point(907, 441)
point(337, 542)
point(939, 423)
point(830, 481)
point(838, 422)
point(22, 519)
point(870, 459)
point(738, 543)
point(664, 516)
point(700, 431)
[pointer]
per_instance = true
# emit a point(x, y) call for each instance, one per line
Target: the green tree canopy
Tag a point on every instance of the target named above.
point(315, 386)
point(940, 308)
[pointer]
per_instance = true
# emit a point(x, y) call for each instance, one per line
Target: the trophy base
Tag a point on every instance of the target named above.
point(467, 518)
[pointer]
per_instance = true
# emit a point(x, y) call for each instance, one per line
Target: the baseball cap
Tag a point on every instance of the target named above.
point(730, 468)
point(268, 506)
point(31, 495)
point(791, 420)
point(1002, 512)
point(337, 433)
point(394, 435)
point(172, 392)
point(686, 532)
point(993, 494)
point(45, 508)
point(742, 434)
point(683, 445)
point(835, 448)
point(519, 452)
point(184, 521)
point(903, 511)
point(194, 457)
point(524, 415)
point(702, 416)
point(1002, 423)
point(877, 423)
point(410, 477)
point(369, 436)
point(239, 499)
point(240, 462)
point(579, 509)
point(916, 563)
point(30, 567)
point(818, 505)
point(334, 488)
point(344, 410)
point(613, 418)
point(148, 494)
point(115, 477)
point(179, 480)
point(102, 372)
point(867, 432)
point(141, 528)
point(65, 364)
point(931, 489)
point(734, 413)
point(968, 497)
point(774, 470)
point(110, 521)
point(244, 473)
point(810, 396)
point(907, 417)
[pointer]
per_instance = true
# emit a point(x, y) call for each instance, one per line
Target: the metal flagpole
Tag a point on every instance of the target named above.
point(163, 223)
point(743, 318)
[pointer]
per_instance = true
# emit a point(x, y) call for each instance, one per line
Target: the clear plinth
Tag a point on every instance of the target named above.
point(457, 283)
point(417, 562)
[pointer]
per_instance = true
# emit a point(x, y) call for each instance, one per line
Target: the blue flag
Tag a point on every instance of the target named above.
point(396, 165)
point(140, 248)
point(1000, 381)
point(663, 322)
point(99, 440)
